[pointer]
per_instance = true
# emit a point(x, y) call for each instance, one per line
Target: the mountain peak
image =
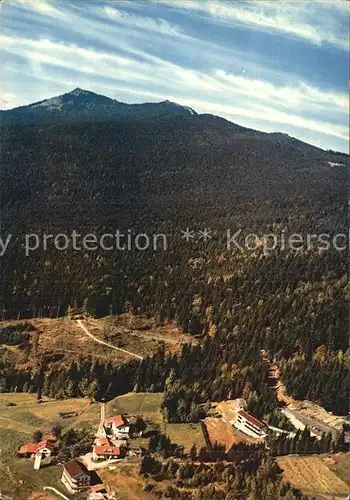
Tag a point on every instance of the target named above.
point(80, 104)
point(79, 91)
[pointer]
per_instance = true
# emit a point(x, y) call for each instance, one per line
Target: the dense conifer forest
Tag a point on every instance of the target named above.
point(163, 175)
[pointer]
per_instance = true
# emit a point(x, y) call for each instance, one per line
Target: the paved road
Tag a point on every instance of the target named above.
point(99, 341)
point(311, 423)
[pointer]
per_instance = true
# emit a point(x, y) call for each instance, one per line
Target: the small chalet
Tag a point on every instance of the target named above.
point(250, 425)
point(75, 477)
point(117, 426)
point(45, 448)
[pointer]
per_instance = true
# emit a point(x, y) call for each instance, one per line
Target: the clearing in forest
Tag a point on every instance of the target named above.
point(312, 476)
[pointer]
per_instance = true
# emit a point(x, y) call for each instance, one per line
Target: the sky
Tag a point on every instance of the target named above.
point(270, 65)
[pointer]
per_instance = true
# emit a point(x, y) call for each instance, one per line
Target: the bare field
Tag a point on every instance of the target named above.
point(61, 340)
point(227, 410)
point(339, 463)
point(220, 425)
point(42, 496)
point(137, 334)
point(312, 476)
point(125, 479)
point(224, 434)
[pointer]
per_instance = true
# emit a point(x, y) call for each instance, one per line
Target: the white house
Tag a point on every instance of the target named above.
point(250, 425)
point(117, 427)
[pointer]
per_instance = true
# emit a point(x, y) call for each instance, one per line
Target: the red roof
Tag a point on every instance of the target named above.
point(106, 450)
point(45, 444)
point(35, 447)
point(98, 488)
point(117, 420)
point(101, 441)
point(251, 419)
point(74, 468)
point(28, 448)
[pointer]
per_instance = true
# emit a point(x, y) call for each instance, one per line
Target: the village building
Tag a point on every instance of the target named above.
point(44, 448)
point(105, 452)
point(250, 425)
point(75, 477)
point(116, 427)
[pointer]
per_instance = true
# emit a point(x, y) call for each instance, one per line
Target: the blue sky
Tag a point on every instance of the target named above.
point(270, 65)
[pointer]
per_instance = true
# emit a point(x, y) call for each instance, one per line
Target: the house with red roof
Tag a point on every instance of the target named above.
point(45, 448)
point(105, 452)
point(117, 426)
point(250, 425)
point(27, 450)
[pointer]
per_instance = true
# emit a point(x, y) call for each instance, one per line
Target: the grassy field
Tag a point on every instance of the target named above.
point(312, 476)
point(29, 415)
point(185, 435)
point(146, 404)
point(21, 482)
point(149, 406)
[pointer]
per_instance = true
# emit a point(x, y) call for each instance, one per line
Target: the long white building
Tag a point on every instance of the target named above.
point(250, 425)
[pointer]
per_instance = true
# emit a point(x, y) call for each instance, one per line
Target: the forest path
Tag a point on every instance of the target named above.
point(99, 341)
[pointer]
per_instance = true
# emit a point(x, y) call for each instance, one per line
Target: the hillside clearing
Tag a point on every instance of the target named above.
point(312, 476)
point(186, 435)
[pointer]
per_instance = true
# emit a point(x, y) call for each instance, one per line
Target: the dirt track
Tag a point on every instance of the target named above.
point(99, 341)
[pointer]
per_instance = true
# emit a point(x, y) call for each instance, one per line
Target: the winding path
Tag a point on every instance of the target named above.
point(99, 341)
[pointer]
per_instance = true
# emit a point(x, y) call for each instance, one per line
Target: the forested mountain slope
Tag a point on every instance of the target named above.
point(163, 172)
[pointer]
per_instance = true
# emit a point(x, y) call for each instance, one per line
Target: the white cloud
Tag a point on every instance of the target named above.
point(43, 7)
point(145, 23)
point(316, 22)
point(130, 66)
point(303, 94)
point(209, 92)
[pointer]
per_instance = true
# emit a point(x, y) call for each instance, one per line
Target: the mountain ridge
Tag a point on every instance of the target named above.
point(80, 104)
